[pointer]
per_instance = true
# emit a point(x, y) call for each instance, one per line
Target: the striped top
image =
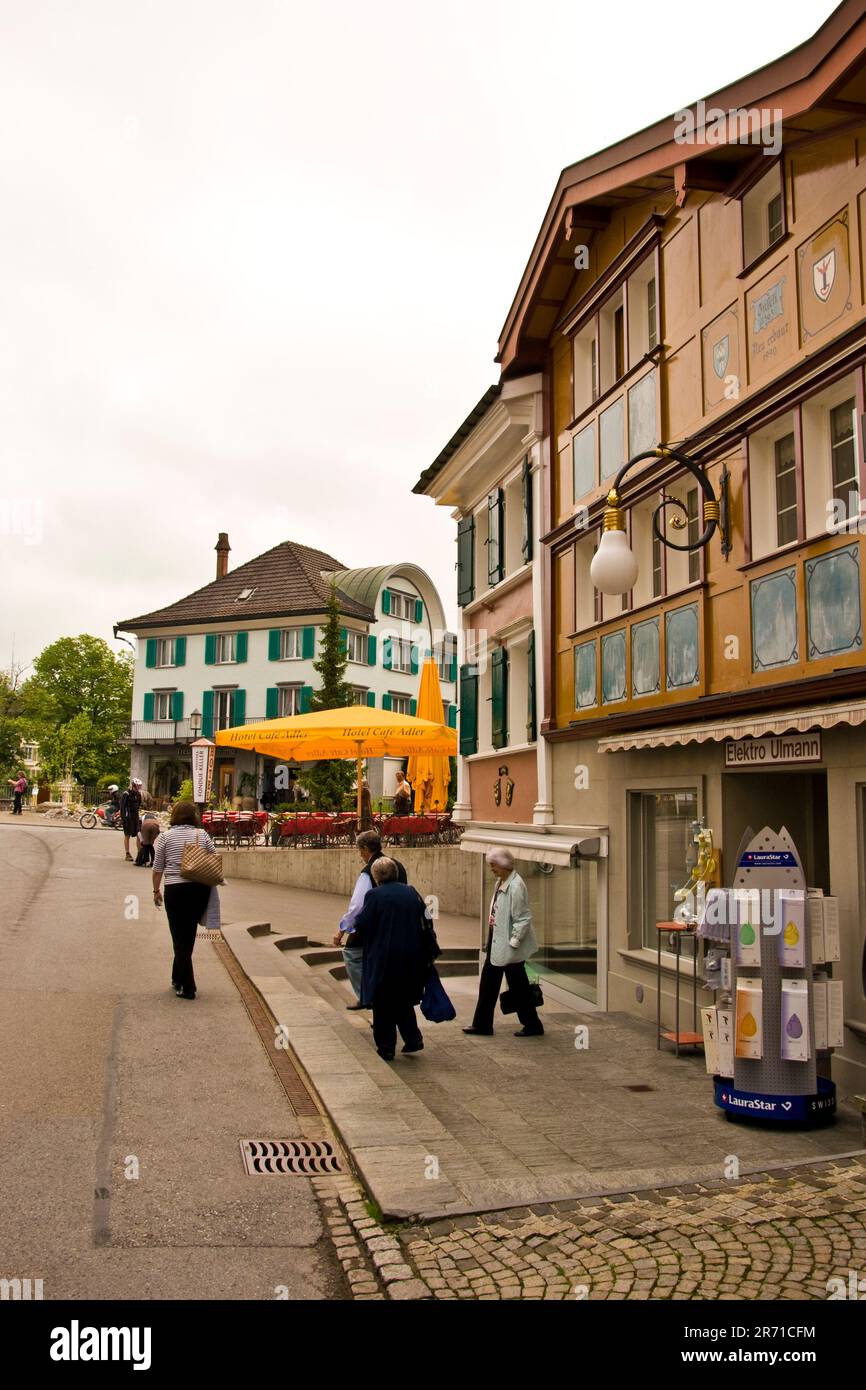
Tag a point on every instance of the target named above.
point(169, 850)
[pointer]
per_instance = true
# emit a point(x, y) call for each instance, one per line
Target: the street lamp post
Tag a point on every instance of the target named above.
point(614, 568)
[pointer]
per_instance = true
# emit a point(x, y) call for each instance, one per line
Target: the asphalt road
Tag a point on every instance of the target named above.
point(121, 1106)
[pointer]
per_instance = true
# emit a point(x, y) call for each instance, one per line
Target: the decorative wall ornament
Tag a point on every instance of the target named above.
point(824, 274)
point(497, 787)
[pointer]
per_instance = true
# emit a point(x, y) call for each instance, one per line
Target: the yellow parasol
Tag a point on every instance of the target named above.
point(355, 732)
point(429, 770)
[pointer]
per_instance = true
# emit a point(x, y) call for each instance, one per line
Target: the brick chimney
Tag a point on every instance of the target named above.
point(222, 549)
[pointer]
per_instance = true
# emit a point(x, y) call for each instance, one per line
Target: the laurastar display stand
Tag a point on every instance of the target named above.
point(770, 1087)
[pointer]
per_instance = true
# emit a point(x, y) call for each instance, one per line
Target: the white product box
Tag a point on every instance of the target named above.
point(815, 924)
point(795, 1021)
point(832, 949)
point(790, 925)
point(725, 1040)
point(835, 1013)
point(819, 1007)
point(711, 1040)
point(726, 972)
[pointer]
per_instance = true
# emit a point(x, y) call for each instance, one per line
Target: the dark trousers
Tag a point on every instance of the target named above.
point(390, 1014)
point(185, 904)
point(16, 803)
point(488, 992)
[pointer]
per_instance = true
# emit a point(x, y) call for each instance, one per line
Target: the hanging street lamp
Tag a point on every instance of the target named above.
point(614, 568)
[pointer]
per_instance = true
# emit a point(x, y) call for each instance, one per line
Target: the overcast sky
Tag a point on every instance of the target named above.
point(255, 256)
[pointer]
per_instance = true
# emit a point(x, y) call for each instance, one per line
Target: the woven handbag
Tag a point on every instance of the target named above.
point(199, 865)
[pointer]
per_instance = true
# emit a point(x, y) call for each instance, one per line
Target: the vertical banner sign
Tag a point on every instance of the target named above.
point(203, 755)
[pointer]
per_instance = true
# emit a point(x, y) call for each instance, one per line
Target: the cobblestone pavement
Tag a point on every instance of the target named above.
point(779, 1235)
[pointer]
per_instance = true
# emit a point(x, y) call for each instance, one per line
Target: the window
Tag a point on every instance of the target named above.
point(401, 656)
point(162, 704)
point(446, 660)
point(652, 321)
point(593, 367)
point(843, 456)
point(356, 649)
point(402, 606)
point(288, 701)
point(657, 573)
point(763, 212)
point(611, 347)
point(585, 368)
point(225, 649)
point(244, 594)
point(786, 490)
point(401, 704)
point(290, 643)
point(358, 695)
point(660, 843)
point(496, 536)
point(165, 651)
point(693, 531)
point(618, 343)
point(222, 709)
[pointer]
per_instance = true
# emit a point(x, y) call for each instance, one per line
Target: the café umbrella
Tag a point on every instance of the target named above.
point(356, 732)
point(430, 773)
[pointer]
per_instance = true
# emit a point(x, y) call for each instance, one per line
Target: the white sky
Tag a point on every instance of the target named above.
point(255, 256)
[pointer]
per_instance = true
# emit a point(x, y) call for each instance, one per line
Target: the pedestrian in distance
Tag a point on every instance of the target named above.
point(130, 812)
point(148, 831)
point(511, 941)
point(399, 946)
point(187, 904)
point(366, 807)
point(19, 787)
point(402, 796)
point(369, 847)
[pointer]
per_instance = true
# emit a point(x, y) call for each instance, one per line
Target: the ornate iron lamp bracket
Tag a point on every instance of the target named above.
point(716, 509)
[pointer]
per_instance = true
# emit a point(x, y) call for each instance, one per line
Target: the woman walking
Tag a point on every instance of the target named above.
point(399, 947)
point(186, 903)
point(510, 941)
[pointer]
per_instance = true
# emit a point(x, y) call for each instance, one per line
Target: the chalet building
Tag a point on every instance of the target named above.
point(242, 648)
point(699, 286)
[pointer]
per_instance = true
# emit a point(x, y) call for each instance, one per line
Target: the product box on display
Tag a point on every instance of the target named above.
point(750, 1018)
point(725, 1041)
point(790, 925)
point(795, 1021)
point(709, 1025)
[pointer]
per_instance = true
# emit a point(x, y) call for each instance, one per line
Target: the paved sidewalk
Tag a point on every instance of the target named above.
point(480, 1124)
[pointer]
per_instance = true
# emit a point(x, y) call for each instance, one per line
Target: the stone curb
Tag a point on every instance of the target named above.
point(372, 1259)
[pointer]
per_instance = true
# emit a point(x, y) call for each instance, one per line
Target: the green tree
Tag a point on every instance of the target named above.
point(19, 721)
point(330, 781)
point(81, 692)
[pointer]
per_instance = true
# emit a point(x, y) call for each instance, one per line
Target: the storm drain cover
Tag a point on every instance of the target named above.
point(307, 1156)
point(204, 935)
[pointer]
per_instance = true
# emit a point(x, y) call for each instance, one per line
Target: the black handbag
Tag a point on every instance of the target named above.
point(508, 1006)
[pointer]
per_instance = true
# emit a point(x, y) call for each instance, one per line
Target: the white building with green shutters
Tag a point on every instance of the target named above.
point(241, 649)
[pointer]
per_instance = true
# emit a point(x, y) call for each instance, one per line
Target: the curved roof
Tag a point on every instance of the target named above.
point(362, 586)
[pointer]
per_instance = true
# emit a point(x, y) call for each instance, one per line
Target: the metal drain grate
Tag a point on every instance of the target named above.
point(306, 1156)
point(639, 1088)
point(203, 935)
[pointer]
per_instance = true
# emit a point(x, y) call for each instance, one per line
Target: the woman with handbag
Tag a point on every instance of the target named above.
point(510, 942)
point(186, 855)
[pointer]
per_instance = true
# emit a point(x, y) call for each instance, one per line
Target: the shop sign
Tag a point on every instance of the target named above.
point(772, 750)
point(203, 753)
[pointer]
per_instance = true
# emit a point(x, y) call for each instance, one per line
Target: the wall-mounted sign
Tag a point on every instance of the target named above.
point(824, 268)
point(772, 750)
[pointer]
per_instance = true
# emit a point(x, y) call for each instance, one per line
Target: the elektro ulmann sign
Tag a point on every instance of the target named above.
point(772, 750)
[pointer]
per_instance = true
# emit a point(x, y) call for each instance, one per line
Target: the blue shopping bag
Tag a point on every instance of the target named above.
point(435, 1004)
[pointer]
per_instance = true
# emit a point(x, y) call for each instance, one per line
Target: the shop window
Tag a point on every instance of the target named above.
point(660, 843)
point(564, 907)
point(763, 208)
point(774, 620)
point(833, 603)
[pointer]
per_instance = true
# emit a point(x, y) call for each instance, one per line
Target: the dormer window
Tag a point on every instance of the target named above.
point(244, 594)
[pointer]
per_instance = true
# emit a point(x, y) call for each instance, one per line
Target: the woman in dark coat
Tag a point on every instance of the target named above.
point(399, 948)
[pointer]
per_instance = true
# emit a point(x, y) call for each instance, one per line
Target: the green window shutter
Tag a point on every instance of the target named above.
point(386, 602)
point(371, 699)
point(344, 640)
point(413, 706)
point(306, 698)
point(495, 536)
point(148, 707)
point(272, 696)
point(468, 710)
point(239, 707)
point(452, 716)
point(207, 701)
point(500, 697)
point(419, 611)
point(242, 642)
point(452, 674)
point(274, 644)
point(386, 654)
point(210, 649)
point(466, 560)
point(150, 652)
point(531, 720)
point(413, 660)
point(308, 643)
point(386, 701)
point(177, 705)
point(180, 651)
point(527, 511)
point(371, 650)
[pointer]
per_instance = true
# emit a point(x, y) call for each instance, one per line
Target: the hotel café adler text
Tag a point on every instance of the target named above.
point(699, 290)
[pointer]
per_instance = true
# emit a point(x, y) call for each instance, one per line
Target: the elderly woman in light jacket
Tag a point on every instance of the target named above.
point(510, 942)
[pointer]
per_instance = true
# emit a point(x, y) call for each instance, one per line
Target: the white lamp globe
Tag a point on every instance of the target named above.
point(614, 568)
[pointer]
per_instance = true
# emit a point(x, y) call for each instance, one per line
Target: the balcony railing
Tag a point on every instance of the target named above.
point(169, 730)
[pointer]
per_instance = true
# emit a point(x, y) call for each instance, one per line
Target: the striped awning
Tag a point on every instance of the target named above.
point(816, 717)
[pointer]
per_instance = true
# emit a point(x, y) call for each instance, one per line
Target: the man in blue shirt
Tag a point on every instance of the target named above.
point(370, 849)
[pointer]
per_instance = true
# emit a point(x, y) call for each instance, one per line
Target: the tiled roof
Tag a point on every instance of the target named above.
point(288, 581)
